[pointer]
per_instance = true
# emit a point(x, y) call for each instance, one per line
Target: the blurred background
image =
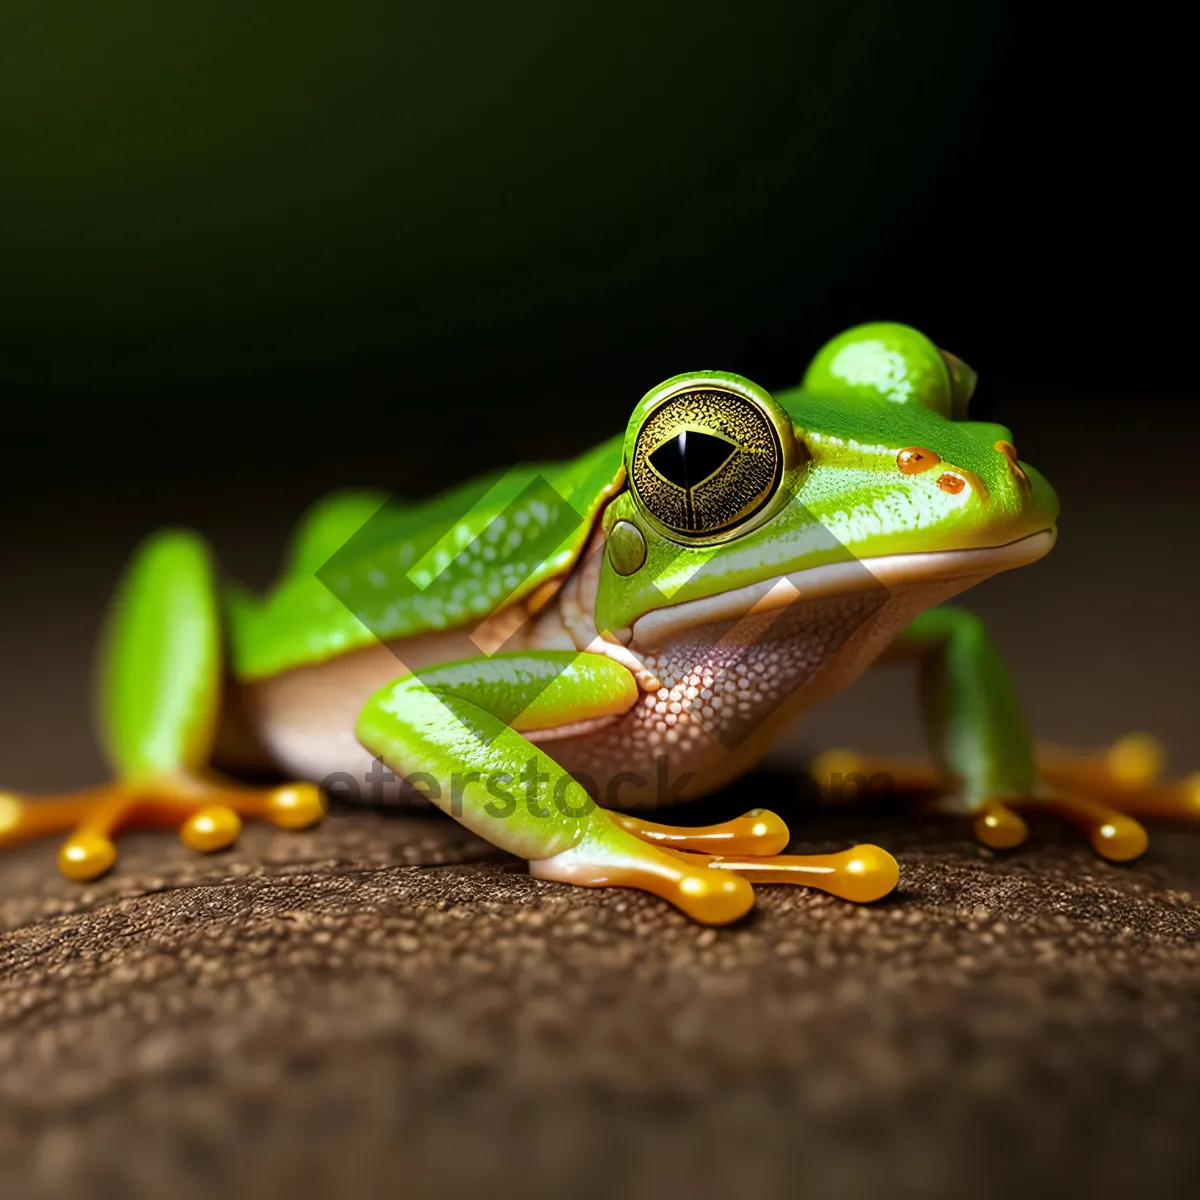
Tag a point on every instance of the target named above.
point(250, 253)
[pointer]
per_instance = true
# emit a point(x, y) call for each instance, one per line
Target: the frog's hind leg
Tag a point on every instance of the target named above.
point(159, 696)
point(987, 766)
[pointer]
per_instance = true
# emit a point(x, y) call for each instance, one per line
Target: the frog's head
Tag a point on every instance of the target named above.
point(867, 475)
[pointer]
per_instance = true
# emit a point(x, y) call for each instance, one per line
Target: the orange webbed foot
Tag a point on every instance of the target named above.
point(207, 810)
point(1103, 793)
point(709, 871)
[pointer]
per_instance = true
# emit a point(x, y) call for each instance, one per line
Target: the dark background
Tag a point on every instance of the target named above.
point(227, 226)
point(252, 251)
point(248, 253)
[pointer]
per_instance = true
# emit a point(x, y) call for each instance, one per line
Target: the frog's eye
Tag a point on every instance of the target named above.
point(708, 457)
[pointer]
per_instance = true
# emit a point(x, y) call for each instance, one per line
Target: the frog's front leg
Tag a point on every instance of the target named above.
point(987, 766)
point(457, 734)
point(159, 696)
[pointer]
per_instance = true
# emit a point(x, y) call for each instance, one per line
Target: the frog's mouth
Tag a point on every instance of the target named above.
point(889, 572)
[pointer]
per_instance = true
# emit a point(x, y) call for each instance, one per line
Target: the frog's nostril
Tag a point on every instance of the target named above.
point(916, 459)
point(1014, 467)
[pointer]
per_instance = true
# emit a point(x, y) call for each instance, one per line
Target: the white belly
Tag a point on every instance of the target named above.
point(729, 690)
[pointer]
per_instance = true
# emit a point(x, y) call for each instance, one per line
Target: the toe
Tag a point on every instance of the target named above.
point(295, 806)
point(86, 856)
point(1118, 838)
point(999, 827)
point(211, 828)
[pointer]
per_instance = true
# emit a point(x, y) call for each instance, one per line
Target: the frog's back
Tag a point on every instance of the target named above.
point(373, 569)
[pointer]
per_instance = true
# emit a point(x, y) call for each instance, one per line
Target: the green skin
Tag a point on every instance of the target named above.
point(393, 572)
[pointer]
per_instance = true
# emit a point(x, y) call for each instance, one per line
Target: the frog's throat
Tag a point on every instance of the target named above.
point(890, 571)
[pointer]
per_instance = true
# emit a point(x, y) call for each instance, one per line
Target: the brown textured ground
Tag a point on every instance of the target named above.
point(384, 1005)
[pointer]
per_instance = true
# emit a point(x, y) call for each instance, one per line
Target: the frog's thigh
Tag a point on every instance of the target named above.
point(456, 734)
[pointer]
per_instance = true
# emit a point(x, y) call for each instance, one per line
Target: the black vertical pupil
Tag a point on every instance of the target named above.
point(691, 457)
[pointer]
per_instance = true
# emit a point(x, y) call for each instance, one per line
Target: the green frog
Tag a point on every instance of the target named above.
point(543, 652)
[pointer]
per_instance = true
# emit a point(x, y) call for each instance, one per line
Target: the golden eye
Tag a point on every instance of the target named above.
point(707, 460)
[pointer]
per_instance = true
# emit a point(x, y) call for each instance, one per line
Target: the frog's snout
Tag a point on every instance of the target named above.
point(1009, 452)
point(1003, 492)
point(1036, 496)
point(1023, 492)
point(953, 480)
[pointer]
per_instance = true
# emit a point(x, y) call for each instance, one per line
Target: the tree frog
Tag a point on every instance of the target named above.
point(545, 651)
